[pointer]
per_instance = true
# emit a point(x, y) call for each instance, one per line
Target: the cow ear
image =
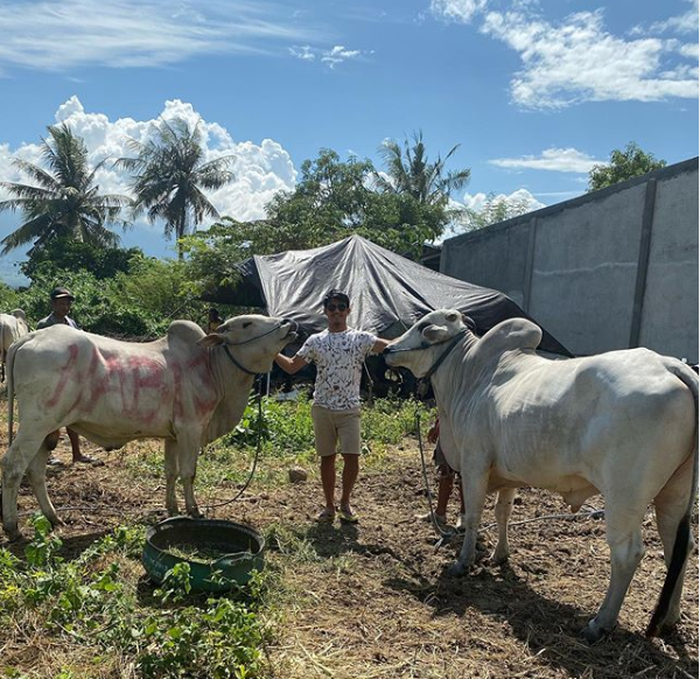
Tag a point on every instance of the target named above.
point(469, 322)
point(436, 333)
point(213, 340)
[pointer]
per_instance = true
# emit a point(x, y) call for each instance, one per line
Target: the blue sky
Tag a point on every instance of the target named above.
point(535, 92)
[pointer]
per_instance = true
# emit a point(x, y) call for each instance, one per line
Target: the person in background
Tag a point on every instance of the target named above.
point(214, 320)
point(338, 353)
point(61, 303)
point(446, 477)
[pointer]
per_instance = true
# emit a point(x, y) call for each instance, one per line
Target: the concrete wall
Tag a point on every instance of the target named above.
point(609, 270)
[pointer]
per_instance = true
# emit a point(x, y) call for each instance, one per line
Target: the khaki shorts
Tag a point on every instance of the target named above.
point(330, 426)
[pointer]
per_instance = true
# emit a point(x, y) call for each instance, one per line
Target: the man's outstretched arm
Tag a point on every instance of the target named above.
point(290, 365)
point(379, 346)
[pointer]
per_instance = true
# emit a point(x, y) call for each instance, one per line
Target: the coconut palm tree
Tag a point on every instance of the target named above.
point(409, 171)
point(65, 202)
point(170, 174)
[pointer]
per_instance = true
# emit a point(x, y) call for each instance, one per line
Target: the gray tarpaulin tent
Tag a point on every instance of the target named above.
point(388, 293)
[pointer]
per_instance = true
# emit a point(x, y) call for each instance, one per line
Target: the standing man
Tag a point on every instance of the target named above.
point(338, 353)
point(61, 302)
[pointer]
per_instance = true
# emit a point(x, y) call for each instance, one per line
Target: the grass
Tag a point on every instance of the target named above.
point(93, 615)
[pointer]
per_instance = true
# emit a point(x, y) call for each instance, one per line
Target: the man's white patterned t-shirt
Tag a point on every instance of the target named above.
point(338, 357)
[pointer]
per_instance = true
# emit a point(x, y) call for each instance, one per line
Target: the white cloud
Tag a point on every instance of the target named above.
point(519, 201)
point(578, 59)
point(458, 10)
point(126, 33)
point(261, 170)
point(689, 50)
point(338, 55)
point(683, 23)
point(305, 53)
point(330, 57)
point(519, 197)
point(554, 160)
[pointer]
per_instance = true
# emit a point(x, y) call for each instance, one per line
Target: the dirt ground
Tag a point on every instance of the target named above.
point(372, 600)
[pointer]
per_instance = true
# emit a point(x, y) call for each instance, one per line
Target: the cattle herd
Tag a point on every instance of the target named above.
point(621, 424)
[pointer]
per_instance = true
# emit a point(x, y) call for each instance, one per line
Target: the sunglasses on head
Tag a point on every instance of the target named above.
point(340, 306)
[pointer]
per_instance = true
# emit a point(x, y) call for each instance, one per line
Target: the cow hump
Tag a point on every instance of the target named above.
point(185, 331)
point(514, 333)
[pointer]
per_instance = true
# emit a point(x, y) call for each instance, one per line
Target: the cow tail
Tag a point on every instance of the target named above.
point(680, 546)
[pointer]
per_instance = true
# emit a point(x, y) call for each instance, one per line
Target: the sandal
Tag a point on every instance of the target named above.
point(348, 516)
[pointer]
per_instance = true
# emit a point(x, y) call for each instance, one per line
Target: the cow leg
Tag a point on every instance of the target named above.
point(624, 537)
point(671, 505)
point(36, 472)
point(171, 473)
point(504, 508)
point(14, 464)
point(188, 470)
point(474, 485)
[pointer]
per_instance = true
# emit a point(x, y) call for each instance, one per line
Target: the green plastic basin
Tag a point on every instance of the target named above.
point(241, 549)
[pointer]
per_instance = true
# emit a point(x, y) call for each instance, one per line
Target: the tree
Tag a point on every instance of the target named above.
point(495, 209)
point(409, 171)
point(63, 253)
point(66, 202)
point(632, 162)
point(170, 174)
point(335, 199)
point(332, 200)
point(328, 202)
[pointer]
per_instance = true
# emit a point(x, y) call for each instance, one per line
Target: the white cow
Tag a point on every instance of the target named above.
point(12, 327)
point(186, 388)
point(622, 424)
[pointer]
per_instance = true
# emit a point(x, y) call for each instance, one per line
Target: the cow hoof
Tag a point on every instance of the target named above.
point(499, 559)
point(662, 629)
point(13, 535)
point(456, 570)
point(593, 634)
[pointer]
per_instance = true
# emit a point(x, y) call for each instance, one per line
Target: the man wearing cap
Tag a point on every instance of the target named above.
point(338, 353)
point(61, 302)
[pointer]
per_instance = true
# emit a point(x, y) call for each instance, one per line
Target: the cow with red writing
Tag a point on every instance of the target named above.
point(187, 388)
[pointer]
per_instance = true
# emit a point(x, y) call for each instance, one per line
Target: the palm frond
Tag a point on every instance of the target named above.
point(36, 173)
point(27, 232)
point(169, 173)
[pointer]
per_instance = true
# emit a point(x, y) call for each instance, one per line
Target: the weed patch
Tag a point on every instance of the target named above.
point(166, 633)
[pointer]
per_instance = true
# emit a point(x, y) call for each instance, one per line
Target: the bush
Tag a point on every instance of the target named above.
point(138, 305)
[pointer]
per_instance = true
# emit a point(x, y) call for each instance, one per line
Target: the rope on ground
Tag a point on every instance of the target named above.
point(445, 535)
point(592, 513)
